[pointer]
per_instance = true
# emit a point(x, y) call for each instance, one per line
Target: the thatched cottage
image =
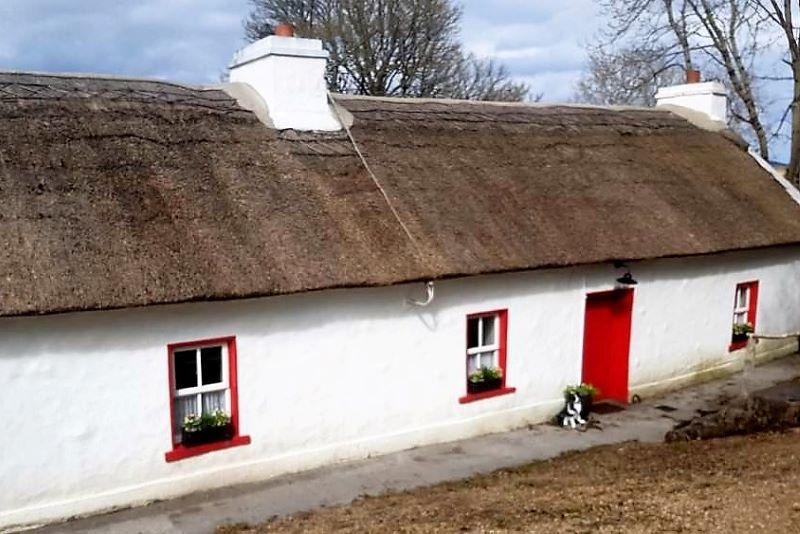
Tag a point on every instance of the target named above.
point(320, 275)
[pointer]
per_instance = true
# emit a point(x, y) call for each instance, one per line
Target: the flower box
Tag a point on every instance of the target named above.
point(211, 434)
point(739, 338)
point(484, 385)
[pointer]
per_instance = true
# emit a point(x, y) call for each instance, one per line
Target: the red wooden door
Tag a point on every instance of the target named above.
point(606, 343)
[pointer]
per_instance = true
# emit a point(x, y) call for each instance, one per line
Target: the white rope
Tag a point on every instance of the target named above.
point(335, 106)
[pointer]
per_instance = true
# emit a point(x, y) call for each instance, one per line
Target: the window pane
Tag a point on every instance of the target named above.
point(214, 400)
point(185, 369)
point(184, 406)
point(472, 362)
point(487, 359)
point(211, 360)
point(741, 297)
point(739, 318)
point(472, 332)
point(489, 330)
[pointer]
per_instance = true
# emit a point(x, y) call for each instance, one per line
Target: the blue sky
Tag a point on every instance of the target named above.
point(193, 40)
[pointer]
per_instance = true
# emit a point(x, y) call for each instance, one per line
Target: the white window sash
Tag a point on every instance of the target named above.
point(741, 312)
point(746, 306)
point(199, 390)
point(209, 388)
point(486, 348)
point(481, 347)
point(474, 353)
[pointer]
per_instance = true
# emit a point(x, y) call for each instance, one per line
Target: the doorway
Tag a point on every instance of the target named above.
point(606, 343)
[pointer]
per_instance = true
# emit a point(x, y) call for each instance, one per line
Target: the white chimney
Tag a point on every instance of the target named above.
point(289, 75)
point(709, 98)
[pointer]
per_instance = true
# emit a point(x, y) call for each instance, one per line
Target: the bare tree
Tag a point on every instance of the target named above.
point(781, 14)
point(485, 79)
point(626, 76)
point(724, 24)
point(390, 47)
point(660, 27)
point(723, 37)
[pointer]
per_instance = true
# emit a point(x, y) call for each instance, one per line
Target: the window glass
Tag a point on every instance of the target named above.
point(183, 407)
point(488, 330)
point(473, 362)
point(741, 297)
point(185, 369)
point(211, 360)
point(214, 400)
point(472, 333)
point(487, 359)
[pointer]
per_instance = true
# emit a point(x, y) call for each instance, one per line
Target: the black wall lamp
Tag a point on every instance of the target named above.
point(627, 278)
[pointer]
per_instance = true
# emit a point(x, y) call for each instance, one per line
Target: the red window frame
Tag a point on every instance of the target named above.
point(502, 357)
point(179, 452)
point(752, 309)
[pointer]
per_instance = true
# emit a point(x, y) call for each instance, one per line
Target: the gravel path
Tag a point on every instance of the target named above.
point(740, 484)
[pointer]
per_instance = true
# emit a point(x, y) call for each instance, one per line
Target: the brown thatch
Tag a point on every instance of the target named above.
point(121, 193)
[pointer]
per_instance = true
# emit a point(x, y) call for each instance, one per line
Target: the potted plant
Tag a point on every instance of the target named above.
point(586, 392)
point(206, 428)
point(484, 379)
point(740, 331)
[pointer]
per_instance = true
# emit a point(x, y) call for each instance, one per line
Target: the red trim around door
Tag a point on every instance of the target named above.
point(606, 343)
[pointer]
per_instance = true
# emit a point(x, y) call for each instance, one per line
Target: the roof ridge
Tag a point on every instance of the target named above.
point(432, 100)
point(108, 77)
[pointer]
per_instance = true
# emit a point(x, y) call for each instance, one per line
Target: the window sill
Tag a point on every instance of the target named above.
point(736, 345)
point(180, 452)
point(472, 397)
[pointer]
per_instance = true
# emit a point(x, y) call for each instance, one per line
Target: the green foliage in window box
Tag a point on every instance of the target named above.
point(742, 329)
point(485, 374)
point(205, 428)
point(195, 423)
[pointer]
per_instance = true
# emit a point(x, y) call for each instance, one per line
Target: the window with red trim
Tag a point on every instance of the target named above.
point(745, 305)
point(203, 397)
point(486, 355)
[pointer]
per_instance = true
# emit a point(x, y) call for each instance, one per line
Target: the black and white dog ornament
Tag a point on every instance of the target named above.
point(571, 414)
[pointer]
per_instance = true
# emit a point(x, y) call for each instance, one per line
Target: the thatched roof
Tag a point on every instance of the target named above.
point(120, 193)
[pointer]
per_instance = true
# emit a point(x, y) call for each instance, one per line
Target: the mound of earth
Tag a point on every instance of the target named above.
point(774, 408)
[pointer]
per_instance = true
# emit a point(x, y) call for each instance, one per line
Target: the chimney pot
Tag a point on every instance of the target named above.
point(692, 76)
point(284, 29)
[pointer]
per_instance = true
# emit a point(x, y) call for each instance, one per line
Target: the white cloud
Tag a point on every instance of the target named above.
point(183, 40)
point(540, 42)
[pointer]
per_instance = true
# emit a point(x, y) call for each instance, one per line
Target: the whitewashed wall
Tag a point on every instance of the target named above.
point(338, 374)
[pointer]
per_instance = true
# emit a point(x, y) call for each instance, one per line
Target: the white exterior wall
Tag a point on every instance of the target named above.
point(338, 374)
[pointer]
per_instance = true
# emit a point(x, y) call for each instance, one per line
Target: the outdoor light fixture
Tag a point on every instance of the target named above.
point(627, 278)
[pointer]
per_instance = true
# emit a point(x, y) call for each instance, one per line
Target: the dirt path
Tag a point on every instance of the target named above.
point(741, 484)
